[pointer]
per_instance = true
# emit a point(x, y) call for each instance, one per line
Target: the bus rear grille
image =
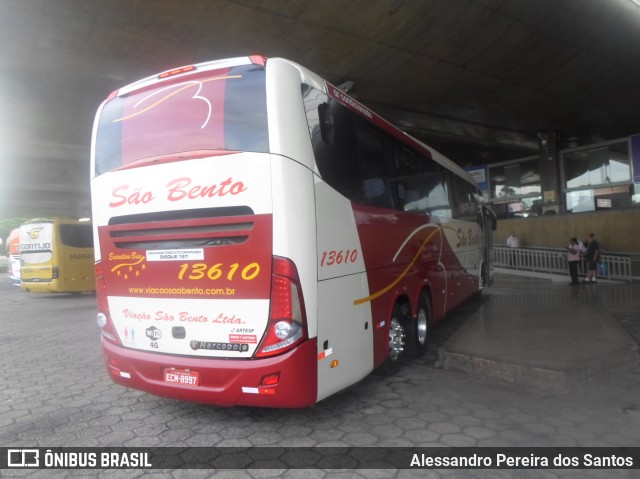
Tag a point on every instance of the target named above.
point(186, 229)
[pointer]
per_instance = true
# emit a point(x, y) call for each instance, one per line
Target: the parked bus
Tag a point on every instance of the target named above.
point(13, 256)
point(263, 239)
point(56, 256)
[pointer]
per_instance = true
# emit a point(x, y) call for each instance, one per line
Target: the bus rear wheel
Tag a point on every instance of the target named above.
point(418, 329)
point(397, 334)
point(484, 281)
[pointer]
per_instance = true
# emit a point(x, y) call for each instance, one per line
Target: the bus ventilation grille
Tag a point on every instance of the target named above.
point(182, 229)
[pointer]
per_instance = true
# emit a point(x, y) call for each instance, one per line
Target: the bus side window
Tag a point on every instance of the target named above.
point(463, 200)
point(437, 182)
point(373, 158)
point(332, 134)
point(326, 123)
point(375, 192)
point(409, 178)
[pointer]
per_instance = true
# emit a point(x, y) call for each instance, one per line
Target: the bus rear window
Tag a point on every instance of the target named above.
point(77, 236)
point(215, 110)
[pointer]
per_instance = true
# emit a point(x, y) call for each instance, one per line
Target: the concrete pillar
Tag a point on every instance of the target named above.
point(548, 158)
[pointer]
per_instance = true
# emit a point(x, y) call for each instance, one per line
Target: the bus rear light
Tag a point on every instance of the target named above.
point(258, 60)
point(280, 337)
point(270, 380)
point(283, 292)
point(177, 71)
point(114, 368)
point(55, 272)
point(287, 324)
point(103, 319)
point(107, 329)
point(112, 95)
point(101, 288)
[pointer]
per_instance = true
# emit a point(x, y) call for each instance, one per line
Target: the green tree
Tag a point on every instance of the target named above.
point(6, 225)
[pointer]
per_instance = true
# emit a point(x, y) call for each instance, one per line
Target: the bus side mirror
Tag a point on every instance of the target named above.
point(326, 123)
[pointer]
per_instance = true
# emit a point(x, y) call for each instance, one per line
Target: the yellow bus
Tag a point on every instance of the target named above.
point(56, 256)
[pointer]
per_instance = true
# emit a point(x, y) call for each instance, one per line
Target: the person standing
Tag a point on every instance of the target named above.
point(513, 243)
point(592, 256)
point(573, 258)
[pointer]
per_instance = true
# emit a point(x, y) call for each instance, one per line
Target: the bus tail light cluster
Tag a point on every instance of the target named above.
point(258, 60)
point(287, 319)
point(55, 272)
point(103, 318)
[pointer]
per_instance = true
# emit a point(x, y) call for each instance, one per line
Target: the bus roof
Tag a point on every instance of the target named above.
point(306, 75)
point(364, 111)
point(61, 219)
point(200, 67)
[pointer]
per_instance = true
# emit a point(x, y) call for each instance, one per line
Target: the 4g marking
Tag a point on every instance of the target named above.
point(198, 271)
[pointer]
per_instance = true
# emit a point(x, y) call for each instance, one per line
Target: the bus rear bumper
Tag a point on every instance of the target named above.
point(54, 287)
point(222, 382)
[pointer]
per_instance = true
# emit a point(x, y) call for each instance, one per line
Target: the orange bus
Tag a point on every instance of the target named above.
point(13, 256)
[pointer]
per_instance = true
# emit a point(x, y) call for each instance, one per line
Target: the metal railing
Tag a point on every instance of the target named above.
point(554, 261)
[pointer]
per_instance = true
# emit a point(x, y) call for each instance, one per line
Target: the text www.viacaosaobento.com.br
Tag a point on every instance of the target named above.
point(185, 291)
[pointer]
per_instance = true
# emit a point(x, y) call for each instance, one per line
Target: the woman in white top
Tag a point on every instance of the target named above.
point(573, 258)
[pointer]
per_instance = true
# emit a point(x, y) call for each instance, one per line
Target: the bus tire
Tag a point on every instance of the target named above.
point(484, 276)
point(419, 328)
point(397, 335)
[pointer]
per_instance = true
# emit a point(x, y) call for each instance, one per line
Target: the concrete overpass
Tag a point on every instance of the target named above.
point(477, 79)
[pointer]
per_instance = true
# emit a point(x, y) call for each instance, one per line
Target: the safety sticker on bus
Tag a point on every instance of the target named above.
point(260, 390)
point(325, 353)
point(175, 255)
point(243, 338)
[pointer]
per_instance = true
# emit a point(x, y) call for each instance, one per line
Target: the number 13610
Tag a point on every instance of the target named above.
point(329, 258)
point(199, 270)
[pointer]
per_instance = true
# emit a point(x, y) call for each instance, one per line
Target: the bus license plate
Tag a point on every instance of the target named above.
point(178, 376)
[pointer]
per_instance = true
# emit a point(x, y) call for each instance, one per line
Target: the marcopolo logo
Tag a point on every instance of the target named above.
point(211, 346)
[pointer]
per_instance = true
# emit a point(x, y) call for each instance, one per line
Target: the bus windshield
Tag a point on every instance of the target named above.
point(222, 109)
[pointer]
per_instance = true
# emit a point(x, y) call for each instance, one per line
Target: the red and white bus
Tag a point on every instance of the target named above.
point(266, 240)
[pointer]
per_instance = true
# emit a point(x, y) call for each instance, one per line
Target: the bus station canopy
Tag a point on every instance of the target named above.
point(479, 80)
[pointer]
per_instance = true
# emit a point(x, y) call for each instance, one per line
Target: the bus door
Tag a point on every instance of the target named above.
point(489, 226)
